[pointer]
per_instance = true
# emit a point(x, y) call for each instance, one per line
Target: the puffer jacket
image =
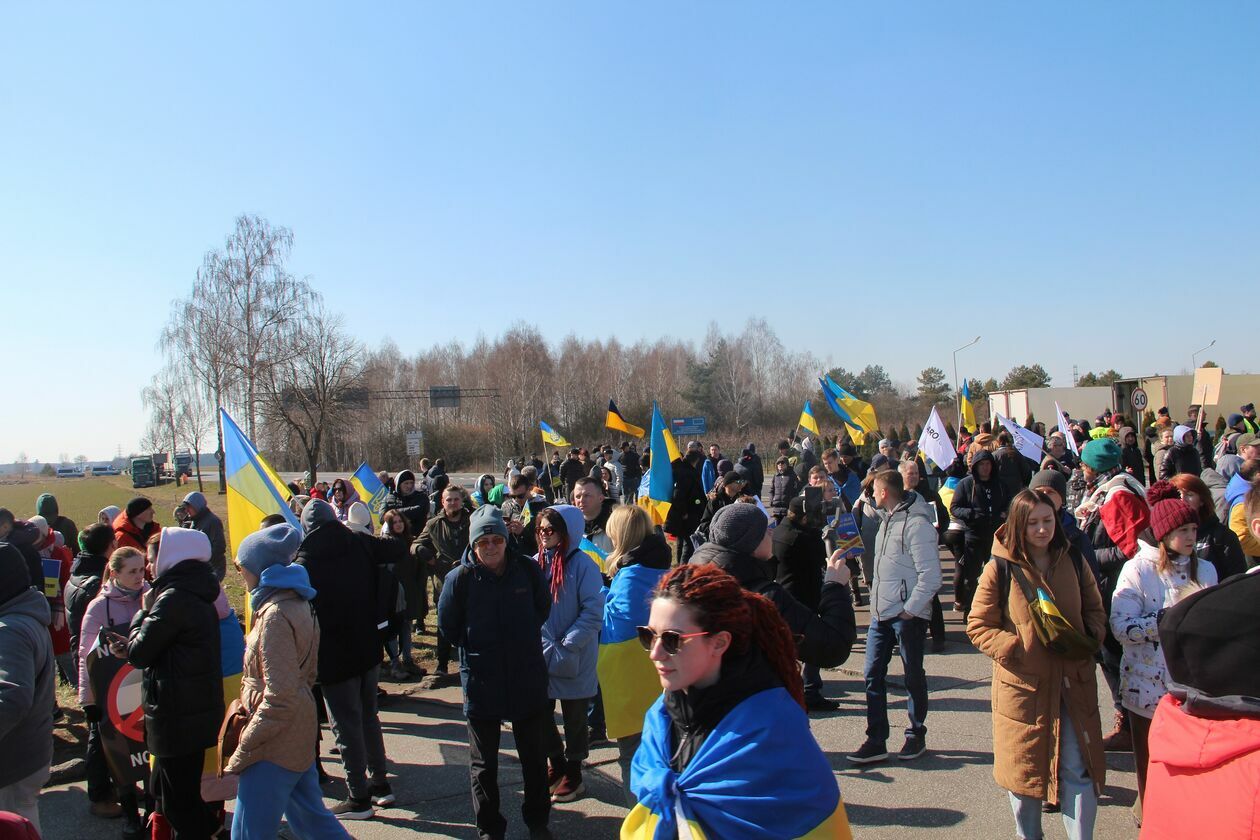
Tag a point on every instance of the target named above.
point(110, 608)
point(570, 636)
point(82, 587)
point(1219, 545)
point(27, 679)
point(1141, 593)
point(1180, 458)
point(281, 658)
point(802, 558)
point(783, 486)
point(413, 505)
point(128, 533)
point(979, 505)
point(907, 570)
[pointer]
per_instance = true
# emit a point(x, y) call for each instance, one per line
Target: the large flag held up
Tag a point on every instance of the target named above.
point(254, 491)
point(1063, 427)
point(618, 423)
point(1027, 443)
point(966, 407)
point(371, 492)
point(808, 422)
point(832, 393)
point(659, 480)
point(550, 436)
point(935, 443)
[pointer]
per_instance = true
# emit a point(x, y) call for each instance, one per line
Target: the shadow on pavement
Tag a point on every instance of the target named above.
point(909, 817)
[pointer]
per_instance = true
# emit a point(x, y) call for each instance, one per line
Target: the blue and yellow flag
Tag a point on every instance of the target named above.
point(371, 492)
point(254, 490)
point(549, 436)
point(863, 413)
point(659, 480)
point(594, 552)
point(618, 423)
point(760, 773)
point(858, 436)
point(807, 421)
point(627, 678)
point(968, 410)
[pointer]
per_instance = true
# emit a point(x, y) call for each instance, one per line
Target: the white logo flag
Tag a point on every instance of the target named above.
point(1028, 443)
point(1067, 433)
point(934, 442)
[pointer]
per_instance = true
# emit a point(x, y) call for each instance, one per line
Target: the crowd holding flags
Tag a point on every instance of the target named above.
point(254, 491)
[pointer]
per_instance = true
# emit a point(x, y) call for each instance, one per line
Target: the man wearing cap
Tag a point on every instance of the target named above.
point(493, 607)
point(886, 456)
point(195, 513)
point(1113, 513)
point(850, 458)
point(46, 506)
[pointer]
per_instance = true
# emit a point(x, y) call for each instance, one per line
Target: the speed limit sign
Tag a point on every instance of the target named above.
point(1138, 399)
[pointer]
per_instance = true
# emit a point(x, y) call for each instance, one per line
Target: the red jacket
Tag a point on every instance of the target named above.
point(1203, 779)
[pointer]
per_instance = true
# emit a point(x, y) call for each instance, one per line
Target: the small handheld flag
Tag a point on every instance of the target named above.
point(550, 436)
point(807, 421)
point(618, 423)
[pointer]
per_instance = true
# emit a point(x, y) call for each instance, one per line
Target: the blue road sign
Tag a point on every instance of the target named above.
point(688, 426)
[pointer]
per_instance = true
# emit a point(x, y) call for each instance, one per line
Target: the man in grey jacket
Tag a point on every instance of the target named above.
point(194, 512)
point(26, 688)
point(907, 574)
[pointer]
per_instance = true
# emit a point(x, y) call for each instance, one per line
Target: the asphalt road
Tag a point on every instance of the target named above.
point(949, 792)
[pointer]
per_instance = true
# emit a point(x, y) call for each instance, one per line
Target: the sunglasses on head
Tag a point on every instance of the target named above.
point(671, 640)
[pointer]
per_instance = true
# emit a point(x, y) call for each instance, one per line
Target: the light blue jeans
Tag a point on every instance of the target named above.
point(1078, 801)
point(267, 792)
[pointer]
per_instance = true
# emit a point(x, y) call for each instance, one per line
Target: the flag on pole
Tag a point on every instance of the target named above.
point(618, 423)
point(967, 408)
point(934, 442)
point(659, 480)
point(1067, 433)
point(1027, 443)
point(807, 420)
point(857, 434)
point(549, 436)
point(254, 491)
point(863, 413)
point(371, 492)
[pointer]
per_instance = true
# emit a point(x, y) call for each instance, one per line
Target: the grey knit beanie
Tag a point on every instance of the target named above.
point(740, 527)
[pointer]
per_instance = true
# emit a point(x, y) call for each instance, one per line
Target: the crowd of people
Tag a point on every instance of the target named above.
point(695, 643)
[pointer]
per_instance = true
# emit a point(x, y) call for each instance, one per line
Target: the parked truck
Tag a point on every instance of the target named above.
point(143, 472)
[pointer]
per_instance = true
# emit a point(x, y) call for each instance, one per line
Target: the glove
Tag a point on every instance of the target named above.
point(92, 713)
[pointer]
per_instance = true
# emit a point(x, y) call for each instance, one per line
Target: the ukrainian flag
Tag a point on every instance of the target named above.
point(627, 677)
point(371, 492)
point(807, 420)
point(253, 488)
point(659, 480)
point(863, 413)
point(759, 774)
point(594, 552)
point(968, 410)
point(618, 423)
point(549, 436)
point(857, 434)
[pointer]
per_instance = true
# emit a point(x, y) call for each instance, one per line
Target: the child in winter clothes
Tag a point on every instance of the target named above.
point(1158, 577)
point(783, 486)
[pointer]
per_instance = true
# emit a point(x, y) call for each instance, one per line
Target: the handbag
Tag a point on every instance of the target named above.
point(230, 730)
point(1050, 625)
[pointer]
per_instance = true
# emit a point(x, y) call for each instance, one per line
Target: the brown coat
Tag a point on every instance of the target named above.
point(1028, 679)
point(281, 655)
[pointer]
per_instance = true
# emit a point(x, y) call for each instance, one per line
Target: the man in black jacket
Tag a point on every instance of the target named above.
point(409, 500)
point(631, 473)
point(979, 503)
point(740, 545)
point(174, 638)
point(798, 546)
point(493, 607)
point(344, 579)
point(687, 504)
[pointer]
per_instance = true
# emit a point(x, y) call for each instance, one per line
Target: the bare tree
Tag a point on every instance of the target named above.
point(161, 397)
point(23, 465)
point(195, 420)
point(307, 390)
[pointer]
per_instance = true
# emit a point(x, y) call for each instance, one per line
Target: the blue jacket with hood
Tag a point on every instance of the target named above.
point(571, 634)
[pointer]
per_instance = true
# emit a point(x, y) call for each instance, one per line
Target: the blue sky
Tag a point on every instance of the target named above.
point(1077, 183)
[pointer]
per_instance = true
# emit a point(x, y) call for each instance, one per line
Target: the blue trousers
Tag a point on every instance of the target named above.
point(1078, 801)
point(267, 792)
point(909, 634)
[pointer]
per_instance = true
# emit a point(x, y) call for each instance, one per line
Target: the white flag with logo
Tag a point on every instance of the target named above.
point(1067, 433)
point(1027, 443)
point(934, 442)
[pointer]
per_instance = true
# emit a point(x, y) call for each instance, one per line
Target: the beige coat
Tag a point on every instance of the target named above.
point(281, 654)
point(1029, 679)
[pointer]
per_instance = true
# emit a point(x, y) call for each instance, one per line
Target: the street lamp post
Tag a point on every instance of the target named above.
point(957, 388)
point(1194, 364)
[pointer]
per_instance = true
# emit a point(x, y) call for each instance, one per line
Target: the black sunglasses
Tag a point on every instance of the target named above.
point(671, 640)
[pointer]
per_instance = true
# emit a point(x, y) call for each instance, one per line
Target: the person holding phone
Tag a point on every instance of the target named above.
point(107, 617)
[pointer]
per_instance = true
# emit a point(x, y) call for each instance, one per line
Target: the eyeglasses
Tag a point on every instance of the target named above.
point(671, 640)
point(545, 530)
point(489, 540)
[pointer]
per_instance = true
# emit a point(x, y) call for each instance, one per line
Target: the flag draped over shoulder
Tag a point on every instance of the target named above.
point(594, 552)
point(618, 423)
point(254, 491)
point(549, 436)
point(627, 678)
point(967, 408)
point(807, 420)
point(760, 773)
point(371, 492)
point(659, 480)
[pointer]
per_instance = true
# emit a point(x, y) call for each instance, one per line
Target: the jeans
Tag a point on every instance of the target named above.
point(1077, 799)
point(267, 792)
point(1141, 728)
point(398, 645)
point(530, 735)
point(577, 734)
point(22, 797)
point(909, 634)
point(68, 665)
point(812, 677)
point(444, 647)
point(967, 569)
point(176, 786)
point(357, 730)
point(595, 717)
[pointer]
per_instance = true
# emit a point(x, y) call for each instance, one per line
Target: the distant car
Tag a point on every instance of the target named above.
point(106, 470)
point(69, 472)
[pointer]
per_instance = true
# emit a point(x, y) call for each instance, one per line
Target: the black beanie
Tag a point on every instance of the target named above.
point(740, 527)
point(14, 579)
point(137, 506)
point(1211, 639)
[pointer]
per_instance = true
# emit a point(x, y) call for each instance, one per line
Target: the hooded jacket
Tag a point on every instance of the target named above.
point(907, 565)
point(281, 656)
point(111, 608)
point(47, 507)
point(824, 637)
point(84, 584)
point(344, 578)
point(570, 636)
point(27, 675)
point(495, 622)
point(177, 643)
point(687, 503)
point(783, 486)
point(205, 521)
point(413, 505)
point(979, 505)
point(128, 533)
point(1181, 457)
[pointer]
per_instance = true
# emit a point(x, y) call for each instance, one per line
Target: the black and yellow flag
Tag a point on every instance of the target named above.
point(616, 421)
